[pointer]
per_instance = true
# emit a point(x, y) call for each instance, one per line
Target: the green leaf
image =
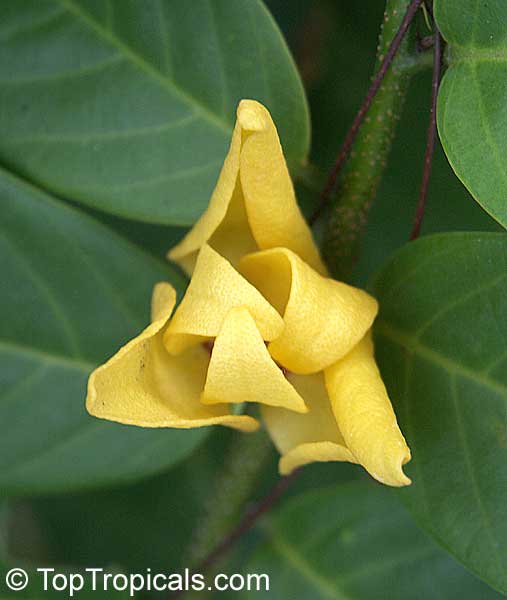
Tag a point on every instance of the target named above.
point(472, 104)
point(128, 106)
point(72, 293)
point(356, 542)
point(146, 525)
point(442, 348)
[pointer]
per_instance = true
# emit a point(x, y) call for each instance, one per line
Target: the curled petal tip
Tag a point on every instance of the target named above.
point(393, 473)
point(310, 452)
point(252, 115)
point(253, 204)
point(365, 415)
point(163, 300)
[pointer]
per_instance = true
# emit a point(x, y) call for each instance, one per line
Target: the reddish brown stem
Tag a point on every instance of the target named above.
point(246, 523)
point(363, 110)
point(249, 519)
point(432, 134)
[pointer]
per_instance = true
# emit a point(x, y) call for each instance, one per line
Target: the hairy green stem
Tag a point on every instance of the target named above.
point(247, 457)
point(362, 174)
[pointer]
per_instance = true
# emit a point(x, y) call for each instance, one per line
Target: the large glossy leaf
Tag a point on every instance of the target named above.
point(72, 293)
point(442, 347)
point(356, 542)
point(128, 106)
point(472, 106)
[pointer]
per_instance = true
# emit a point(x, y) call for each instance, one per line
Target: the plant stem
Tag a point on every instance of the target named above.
point(432, 133)
point(372, 143)
point(363, 109)
point(247, 456)
point(246, 523)
point(249, 519)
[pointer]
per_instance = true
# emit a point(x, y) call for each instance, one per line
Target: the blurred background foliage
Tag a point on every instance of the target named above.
point(147, 524)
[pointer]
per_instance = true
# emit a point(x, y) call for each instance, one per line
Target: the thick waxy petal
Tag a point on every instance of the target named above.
point(214, 289)
point(143, 385)
point(241, 369)
point(324, 319)
point(365, 415)
point(302, 439)
point(253, 204)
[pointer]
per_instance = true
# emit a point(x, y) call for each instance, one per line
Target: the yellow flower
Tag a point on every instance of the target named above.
point(260, 322)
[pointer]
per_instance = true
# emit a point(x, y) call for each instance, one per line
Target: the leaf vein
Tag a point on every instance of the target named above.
point(487, 127)
point(301, 564)
point(448, 364)
point(220, 61)
point(146, 67)
point(455, 303)
point(470, 468)
point(55, 306)
point(34, 26)
point(157, 180)
point(76, 137)
point(26, 382)
point(88, 69)
point(36, 354)
point(163, 36)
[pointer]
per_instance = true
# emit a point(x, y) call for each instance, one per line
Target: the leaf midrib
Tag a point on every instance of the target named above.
point(409, 342)
point(146, 67)
point(470, 54)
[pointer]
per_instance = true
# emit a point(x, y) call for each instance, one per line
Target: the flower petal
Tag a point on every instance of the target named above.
point(241, 369)
point(302, 439)
point(324, 319)
point(253, 204)
point(224, 224)
point(163, 300)
point(365, 415)
point(214, 289)
point(273, 212)
point(143, 385)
